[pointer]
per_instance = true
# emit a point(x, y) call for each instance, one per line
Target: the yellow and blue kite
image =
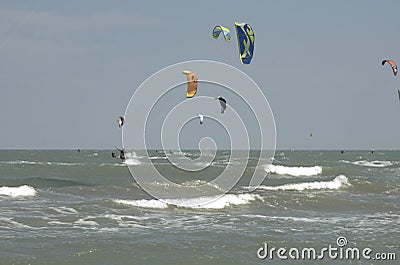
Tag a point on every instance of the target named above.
point(217, 31)
point(245, 36)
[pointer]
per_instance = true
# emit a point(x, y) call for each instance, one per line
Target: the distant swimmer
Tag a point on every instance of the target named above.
point(342, 151)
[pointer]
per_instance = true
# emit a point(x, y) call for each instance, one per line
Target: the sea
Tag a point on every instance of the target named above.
point(314, 207)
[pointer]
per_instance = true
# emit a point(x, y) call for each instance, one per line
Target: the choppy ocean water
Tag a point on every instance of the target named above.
point(69, 207)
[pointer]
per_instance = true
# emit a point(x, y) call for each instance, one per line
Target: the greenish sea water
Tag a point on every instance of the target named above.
point(70, 207)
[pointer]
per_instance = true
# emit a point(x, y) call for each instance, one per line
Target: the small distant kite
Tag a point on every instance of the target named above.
point(245, 37)
point(192, 83)
point(222, 102)
point(201, 117)
point(392, 64)
point(217, 31)
point(121, 121)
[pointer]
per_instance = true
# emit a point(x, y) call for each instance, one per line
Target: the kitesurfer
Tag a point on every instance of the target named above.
point(122, 155)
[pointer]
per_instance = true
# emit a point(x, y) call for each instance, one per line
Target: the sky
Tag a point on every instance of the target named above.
point(69, 68)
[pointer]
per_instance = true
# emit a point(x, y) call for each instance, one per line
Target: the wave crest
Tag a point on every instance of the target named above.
point(195, 203)
point(132, 159)
point(294, 171)
point(335, 184)
point(375, 163)
point(23, 190)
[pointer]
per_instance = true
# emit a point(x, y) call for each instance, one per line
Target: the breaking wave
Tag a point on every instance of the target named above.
point(153, 204)
point(335, 184)
point(20, 191)
point(373, 163)
point(195, 203)
point(132, 159)
point(294, 171)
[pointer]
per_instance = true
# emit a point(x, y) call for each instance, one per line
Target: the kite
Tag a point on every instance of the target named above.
point(192, 82)
point(392, 64)
point(222, 102)
point(201, 117)
point(121, 121)
point(245, 37)
point(217, 31)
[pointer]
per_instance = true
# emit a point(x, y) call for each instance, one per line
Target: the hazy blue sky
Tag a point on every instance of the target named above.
point(69, 68)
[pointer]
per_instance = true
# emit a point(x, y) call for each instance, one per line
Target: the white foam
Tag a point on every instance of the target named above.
point(216, 202)
point(92, 155)
point(132, 159)
point(337, 183)
point(197, 183)
point(153, 204)
point(293, 171)
point(65, 210)
point(116, 217)
point(375, 163)
point(65, 164)
point(6, 222)
point(132, 162)
point(58, 223)
point(48, 163)
point(17, 191)
point(195, 203)
point(158, 157)
point(112, 165)
point(21, 162)
point(85, 222)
